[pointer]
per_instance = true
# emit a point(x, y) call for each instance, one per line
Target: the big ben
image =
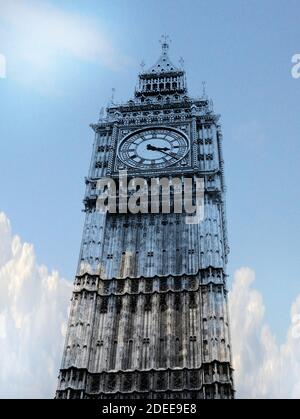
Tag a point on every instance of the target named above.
point(148, 316)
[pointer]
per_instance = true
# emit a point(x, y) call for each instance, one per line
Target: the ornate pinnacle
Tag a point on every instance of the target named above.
point(113, 91)
point(204, 95)
point(165, 41)
point(142, 65)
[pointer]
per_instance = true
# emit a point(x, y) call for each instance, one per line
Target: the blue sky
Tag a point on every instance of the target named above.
point(57, 81)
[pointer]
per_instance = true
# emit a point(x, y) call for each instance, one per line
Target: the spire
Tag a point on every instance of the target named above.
point(204, 94)
point(163, 64)
point(101, 114)
point(163, 78)
point(164, 40)
point(113, 91)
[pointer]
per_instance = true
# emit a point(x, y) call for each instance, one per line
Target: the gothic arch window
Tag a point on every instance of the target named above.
point(192, 302)
point(205, 347)
point(177, 302)
point(119, 303)
point(111, 382)
point(129, 354)
point(120, 286)
point(148, 285)
point(177, 284)
point(106, 287)
point(113, 355)
point(205, 329)
point(133, 303)
point(144, 383)
point(104, 305)
point(161, 354)
point(193, 345)
point(177, 351)
point(147, 306)
point(163, 286)
point(161, 381)
point(223, 349)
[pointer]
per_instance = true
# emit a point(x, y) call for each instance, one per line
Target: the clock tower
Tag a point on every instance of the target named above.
point(148, 316)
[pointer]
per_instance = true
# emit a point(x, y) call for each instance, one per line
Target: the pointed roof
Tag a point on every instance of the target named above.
point(163, 64)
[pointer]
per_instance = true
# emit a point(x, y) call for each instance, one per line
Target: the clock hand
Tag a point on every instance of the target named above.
point(151, 147)
point(154, 148)
point(161, 149)
point(168, 154)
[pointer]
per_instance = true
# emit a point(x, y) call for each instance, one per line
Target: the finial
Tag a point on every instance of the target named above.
point(165, 41)
point(101, 114)
point(142, 65)
point(204, 95)
point(113, 90)
point(181, 62)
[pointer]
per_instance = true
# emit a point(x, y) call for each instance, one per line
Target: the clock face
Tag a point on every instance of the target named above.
point(153, 148)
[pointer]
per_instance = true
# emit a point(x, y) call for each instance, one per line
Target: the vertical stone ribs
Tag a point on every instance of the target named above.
point(168, 340)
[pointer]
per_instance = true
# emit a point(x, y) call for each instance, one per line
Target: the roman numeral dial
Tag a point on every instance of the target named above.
point(153, 148)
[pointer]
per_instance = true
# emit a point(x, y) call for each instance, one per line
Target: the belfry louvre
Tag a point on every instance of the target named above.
point(149, 317)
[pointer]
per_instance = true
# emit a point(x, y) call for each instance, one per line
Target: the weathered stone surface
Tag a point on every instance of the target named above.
point(149, 314)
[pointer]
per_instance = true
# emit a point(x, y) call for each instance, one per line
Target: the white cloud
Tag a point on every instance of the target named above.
point(36, 35)
point(263, 368)
point(33, 313)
